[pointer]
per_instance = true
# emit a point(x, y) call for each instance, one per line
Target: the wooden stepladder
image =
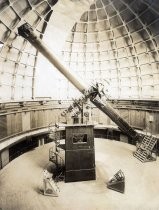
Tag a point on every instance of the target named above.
point(50, 187)
point(145, 148)
point(117, 183)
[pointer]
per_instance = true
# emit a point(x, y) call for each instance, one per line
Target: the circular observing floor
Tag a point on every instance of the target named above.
point(21, 180)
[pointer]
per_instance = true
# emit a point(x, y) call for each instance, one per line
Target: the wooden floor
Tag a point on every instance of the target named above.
point(21, 180)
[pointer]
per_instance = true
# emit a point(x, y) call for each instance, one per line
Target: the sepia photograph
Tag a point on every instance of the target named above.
point(79, 104)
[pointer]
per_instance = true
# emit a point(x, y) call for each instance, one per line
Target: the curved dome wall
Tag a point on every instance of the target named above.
point(17, 57)
point(117, 42)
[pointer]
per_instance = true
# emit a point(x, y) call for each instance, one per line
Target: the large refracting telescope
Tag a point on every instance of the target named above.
point(28, 33)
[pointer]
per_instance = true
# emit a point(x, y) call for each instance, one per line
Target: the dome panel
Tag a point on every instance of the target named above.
point(110, 11)
point(139, 6)
point(79, 37)
point(92, 16)
point(115, 21)
point(33, 18)
point(41, 26)
point(9, 17)
point(105, 2)
point(21, 7)
point(92, 37)
point(3, 4)
point(81, 27)
point(127, 15)
point(84, 17)
point(43, 8)
point(101, 14)
point(134, 25)
point(13, 54)
point(154, 27)
point(119, 5)
point(92, 27)
point(148, 17)
point(92, 7)
point(102, 25)
point(99, 4)
point(141, 47)
point(5, 32)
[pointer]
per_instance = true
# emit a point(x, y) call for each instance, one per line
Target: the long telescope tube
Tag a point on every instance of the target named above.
point(27, 32)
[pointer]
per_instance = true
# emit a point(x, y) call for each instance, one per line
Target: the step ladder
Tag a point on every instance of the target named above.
point(117, 183)
point(50, 186)
point(144, 150)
